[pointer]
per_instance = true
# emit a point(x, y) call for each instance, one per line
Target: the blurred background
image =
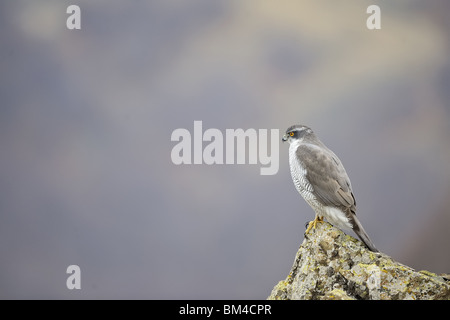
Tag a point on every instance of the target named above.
point(86, 118)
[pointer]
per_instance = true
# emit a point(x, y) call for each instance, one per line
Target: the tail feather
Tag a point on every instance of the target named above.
point(359, 230)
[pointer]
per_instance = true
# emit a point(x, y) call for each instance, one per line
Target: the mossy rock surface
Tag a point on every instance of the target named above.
point(331, 265)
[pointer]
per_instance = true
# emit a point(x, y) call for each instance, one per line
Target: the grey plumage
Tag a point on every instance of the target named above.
point(321, 179)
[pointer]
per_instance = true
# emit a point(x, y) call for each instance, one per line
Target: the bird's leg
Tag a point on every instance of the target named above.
point(313, 223)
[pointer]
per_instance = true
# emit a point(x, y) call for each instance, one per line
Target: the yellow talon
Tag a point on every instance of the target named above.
point(313, 224)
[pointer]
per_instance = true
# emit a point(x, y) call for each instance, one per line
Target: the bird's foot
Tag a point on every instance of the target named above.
point(313, 223)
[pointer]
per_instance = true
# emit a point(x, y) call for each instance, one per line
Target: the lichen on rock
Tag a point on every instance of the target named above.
point(331, 265)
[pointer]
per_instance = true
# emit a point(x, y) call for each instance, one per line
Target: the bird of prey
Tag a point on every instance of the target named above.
point(321, 179)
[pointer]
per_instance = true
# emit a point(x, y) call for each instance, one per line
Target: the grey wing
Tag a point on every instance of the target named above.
point(327, 176)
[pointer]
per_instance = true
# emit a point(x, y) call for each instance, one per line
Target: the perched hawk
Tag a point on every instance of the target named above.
point(320, 178)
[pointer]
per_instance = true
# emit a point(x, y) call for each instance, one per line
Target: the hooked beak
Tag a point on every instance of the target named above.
point(285, 137)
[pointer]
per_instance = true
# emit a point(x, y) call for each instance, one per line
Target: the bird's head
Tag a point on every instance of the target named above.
point(296, 133)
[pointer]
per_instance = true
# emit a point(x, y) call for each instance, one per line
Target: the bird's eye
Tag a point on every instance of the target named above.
point(291, 134)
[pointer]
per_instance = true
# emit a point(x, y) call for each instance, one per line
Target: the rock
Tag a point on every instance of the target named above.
point(331, 265)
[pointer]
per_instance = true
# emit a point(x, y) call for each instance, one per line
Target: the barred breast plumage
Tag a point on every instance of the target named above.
point(303, 186)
